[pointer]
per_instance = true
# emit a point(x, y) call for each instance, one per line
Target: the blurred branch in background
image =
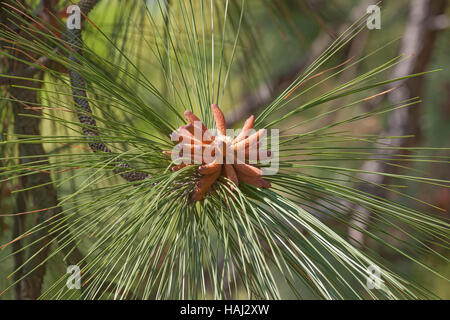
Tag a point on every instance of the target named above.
point(40, 197)
point(255, 101)
point(418, 41)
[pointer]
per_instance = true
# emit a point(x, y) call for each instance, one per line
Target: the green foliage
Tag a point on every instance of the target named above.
point(146, 239)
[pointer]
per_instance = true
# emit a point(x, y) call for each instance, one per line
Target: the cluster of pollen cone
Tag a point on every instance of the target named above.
point(219, 155)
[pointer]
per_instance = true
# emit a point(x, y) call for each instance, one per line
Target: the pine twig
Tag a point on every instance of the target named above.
point(78, 84)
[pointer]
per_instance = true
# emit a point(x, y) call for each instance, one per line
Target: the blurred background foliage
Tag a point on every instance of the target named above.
point(278, 39)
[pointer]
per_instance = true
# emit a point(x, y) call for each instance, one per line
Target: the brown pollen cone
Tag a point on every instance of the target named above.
point(195, 138)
